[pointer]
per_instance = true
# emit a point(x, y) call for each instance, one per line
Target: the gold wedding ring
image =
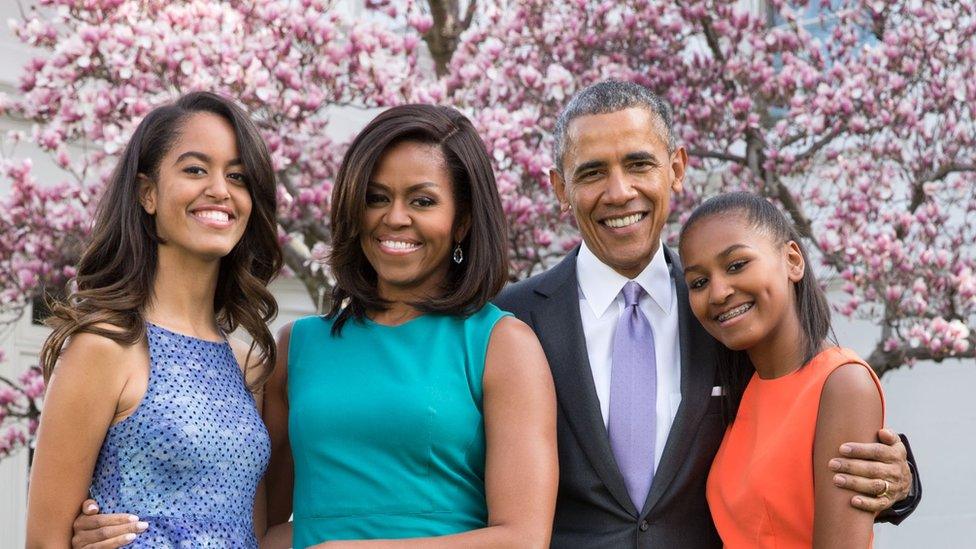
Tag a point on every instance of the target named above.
point(884, 493)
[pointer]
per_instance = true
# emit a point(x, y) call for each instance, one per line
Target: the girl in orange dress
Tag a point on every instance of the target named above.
point(795, 396)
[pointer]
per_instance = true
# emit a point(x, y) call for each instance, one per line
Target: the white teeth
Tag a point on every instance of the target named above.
point(617, 222)
point(727, 315)
point(213, 214)
point(398, 244)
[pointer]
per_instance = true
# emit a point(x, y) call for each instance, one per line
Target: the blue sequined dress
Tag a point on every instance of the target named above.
point(189, 459)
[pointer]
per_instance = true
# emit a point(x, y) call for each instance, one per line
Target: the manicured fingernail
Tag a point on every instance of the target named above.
point(142, 525)
point(839, 480)
point(858, 501)
point(90, 507)
point(846, 450)
point(129, 537)
point(834, 465)
point(133, 518)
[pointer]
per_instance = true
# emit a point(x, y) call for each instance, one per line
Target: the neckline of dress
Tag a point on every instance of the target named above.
point(179, 334)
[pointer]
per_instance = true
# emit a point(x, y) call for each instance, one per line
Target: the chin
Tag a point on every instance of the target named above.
point(730, 341)
point(215, 252)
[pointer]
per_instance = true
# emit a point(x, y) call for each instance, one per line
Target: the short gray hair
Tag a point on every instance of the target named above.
point(611, 96)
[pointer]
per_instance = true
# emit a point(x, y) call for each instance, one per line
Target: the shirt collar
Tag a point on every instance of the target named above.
point(599, 284)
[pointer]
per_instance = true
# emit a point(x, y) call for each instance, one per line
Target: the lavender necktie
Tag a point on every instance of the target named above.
point(632, 424)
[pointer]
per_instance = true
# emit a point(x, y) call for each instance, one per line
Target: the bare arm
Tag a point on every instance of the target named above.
point(280, 478)
point(82, 400)
point(521, 470)
point(850, 410)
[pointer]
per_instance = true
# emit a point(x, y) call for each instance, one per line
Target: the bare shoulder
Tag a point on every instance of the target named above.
point(850, 382)
point(514, 352)
point(851, 402)
point(98, 360)
point(280, 373)
point(512, 331)
point(241, 348)
point(284, 333)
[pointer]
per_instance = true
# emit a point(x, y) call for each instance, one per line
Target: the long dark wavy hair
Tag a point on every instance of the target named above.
point(115, 275)
point(468, 286)
point(812, 308)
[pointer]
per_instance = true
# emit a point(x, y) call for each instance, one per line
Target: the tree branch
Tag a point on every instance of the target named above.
point(918, 187)
point(819, 144)
point(728, 157)
point(882, 361)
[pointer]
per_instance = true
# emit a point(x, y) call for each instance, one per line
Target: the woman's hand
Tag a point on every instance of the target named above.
point(91, 530)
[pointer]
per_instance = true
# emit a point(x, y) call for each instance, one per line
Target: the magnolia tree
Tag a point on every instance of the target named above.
point(855, 117)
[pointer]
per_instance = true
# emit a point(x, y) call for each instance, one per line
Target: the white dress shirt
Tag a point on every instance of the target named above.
point(601, 302)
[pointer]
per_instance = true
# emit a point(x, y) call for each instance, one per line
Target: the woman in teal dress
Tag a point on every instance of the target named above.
point(415, 413)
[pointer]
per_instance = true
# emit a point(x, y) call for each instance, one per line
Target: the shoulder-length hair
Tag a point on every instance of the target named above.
point(116, 272)
point(812, 308)
point(468, 286)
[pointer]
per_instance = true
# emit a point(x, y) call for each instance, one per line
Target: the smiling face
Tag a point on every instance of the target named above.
point(199, 196)
point(741, 283)
point(408, 227)
point(618, 178)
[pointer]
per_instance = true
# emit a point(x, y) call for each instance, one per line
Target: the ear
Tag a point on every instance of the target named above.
point(461, 228)
point(795, 264)
point(559, 186)
point(679, 163)
point(147, 193)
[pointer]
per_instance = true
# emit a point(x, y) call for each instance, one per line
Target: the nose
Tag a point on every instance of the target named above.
point(397, 215)
point(218, 188)
point(719, 291)
point(619, 189)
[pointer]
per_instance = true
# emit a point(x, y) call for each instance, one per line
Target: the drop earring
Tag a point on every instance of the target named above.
point(458, 256)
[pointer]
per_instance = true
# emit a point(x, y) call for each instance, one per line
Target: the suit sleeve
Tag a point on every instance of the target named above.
point(511, 300)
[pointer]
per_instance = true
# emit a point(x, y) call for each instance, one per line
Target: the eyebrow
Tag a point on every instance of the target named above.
point(412, 188)
point(204, 158)
point(724, 253)
point(629, 157)
point(640, 155)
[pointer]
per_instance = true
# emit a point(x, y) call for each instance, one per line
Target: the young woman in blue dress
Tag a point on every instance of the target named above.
point(415, 413)
point(149, 406)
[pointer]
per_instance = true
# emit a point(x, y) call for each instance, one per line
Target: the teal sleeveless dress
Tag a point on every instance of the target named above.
point(386, 427)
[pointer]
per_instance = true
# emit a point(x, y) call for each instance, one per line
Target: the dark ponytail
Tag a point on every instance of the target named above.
point(812, 308)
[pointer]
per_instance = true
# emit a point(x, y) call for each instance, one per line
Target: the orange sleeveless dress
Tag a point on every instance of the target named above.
point(760, 488)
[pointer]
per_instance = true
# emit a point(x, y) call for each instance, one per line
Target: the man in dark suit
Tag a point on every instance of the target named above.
point(633, 475)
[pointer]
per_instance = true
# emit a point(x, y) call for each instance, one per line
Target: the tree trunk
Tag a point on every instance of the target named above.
point(442, 39)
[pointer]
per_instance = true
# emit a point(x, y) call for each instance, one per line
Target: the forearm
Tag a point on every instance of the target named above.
point(48, 535)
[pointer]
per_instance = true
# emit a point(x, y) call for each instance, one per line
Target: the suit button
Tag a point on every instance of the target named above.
point(644, 526)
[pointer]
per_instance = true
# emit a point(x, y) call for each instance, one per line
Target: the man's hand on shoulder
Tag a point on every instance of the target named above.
point(878, 472)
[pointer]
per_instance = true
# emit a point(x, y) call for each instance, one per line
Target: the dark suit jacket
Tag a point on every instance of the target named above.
point(593, 508)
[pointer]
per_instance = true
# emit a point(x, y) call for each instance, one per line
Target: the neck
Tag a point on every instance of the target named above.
point(782, 352)
point(183, 294)
point(397, 312)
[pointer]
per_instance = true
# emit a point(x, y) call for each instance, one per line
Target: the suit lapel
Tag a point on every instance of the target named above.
point(558, 325)
point(697, 374)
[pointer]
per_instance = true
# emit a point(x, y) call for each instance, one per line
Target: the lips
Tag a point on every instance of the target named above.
point(619, 222)
point(734, 312)
point(214, 216)
point(398, 246)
